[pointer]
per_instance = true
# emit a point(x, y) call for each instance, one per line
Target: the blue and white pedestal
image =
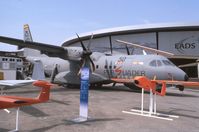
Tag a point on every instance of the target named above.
point(84, 93)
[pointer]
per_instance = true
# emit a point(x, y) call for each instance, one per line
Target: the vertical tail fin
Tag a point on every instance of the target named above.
point(27, 34)
point(28, 37)
point(38, 71)
point(163, 90)
point(45, 91)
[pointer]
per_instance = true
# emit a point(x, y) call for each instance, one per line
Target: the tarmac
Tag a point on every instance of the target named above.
point(105, 111)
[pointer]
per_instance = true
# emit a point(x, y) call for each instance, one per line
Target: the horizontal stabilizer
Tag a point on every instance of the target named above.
point(164, 53)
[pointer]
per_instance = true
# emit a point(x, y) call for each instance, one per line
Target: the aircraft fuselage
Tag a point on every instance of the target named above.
point(124, 66)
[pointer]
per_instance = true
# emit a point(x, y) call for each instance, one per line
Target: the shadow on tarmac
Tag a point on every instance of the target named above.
point(4, 130)
point(175, 111)
point(31, 110)
point(70, 122)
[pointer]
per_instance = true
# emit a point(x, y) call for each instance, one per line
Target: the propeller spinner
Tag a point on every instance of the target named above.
point(86, 59)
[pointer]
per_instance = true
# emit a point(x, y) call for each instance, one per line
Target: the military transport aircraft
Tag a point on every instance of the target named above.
point(104, 67)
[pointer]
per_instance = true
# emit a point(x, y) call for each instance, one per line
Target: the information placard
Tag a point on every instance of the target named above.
point(84, 92)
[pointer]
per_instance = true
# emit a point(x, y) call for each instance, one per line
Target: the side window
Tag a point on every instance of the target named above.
point(153, 63)
point(159, 63)
point(168, 63)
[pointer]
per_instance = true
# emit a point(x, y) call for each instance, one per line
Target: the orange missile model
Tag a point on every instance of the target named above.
point(146, 84)
point(153, 87)
point(15, 101)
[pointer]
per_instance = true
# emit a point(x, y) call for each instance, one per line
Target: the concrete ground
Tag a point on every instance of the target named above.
point(105, 111)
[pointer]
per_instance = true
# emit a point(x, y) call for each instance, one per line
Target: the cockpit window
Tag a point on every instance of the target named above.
point(167, 62)
point(158, 63)
point(155, 63)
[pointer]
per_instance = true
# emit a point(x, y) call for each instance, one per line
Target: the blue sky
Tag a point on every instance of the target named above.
point(52, 21)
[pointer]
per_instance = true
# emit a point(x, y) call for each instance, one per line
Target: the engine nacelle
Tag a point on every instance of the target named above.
point(74, 53)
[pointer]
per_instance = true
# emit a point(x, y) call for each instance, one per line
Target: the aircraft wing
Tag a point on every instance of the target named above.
point(51, 50)
point(181, 83)
point(121, 80)
point(15, 83)
point(7, 100)
point(147, 84)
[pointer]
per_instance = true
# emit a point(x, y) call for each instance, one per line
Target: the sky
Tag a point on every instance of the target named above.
point(53, 21)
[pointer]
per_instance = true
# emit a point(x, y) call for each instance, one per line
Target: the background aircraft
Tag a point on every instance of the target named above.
point(38, 74)
point(104, 67)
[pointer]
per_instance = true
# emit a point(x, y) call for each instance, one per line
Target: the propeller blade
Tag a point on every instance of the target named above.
point(114, 84)
point(106, 63)
point(127, 50)
point(92, 63)
point(111, 45)
point(84, 48)
point(83, 62)
point(89, 44)
point(53, 74)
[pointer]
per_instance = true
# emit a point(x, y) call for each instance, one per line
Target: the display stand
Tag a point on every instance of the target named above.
point(84, 92)
point(17, 121)
point(152, 109)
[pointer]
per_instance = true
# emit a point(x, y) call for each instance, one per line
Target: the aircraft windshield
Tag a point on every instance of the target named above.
point(167, 63)
point(155, 63)
point(158, 63)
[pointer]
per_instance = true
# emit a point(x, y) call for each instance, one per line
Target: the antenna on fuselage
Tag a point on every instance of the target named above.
point(144, 52)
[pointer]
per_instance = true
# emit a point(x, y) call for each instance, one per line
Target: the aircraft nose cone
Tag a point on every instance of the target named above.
point(186, 78)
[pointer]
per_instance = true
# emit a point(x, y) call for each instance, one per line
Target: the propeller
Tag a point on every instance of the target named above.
point(111, 45)
point(89, 44)
point(107, 70)
point(54, 73)
point(86, 59)
point(127, 50)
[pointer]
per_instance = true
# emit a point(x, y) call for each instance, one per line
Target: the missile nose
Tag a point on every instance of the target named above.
point(186, 78)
